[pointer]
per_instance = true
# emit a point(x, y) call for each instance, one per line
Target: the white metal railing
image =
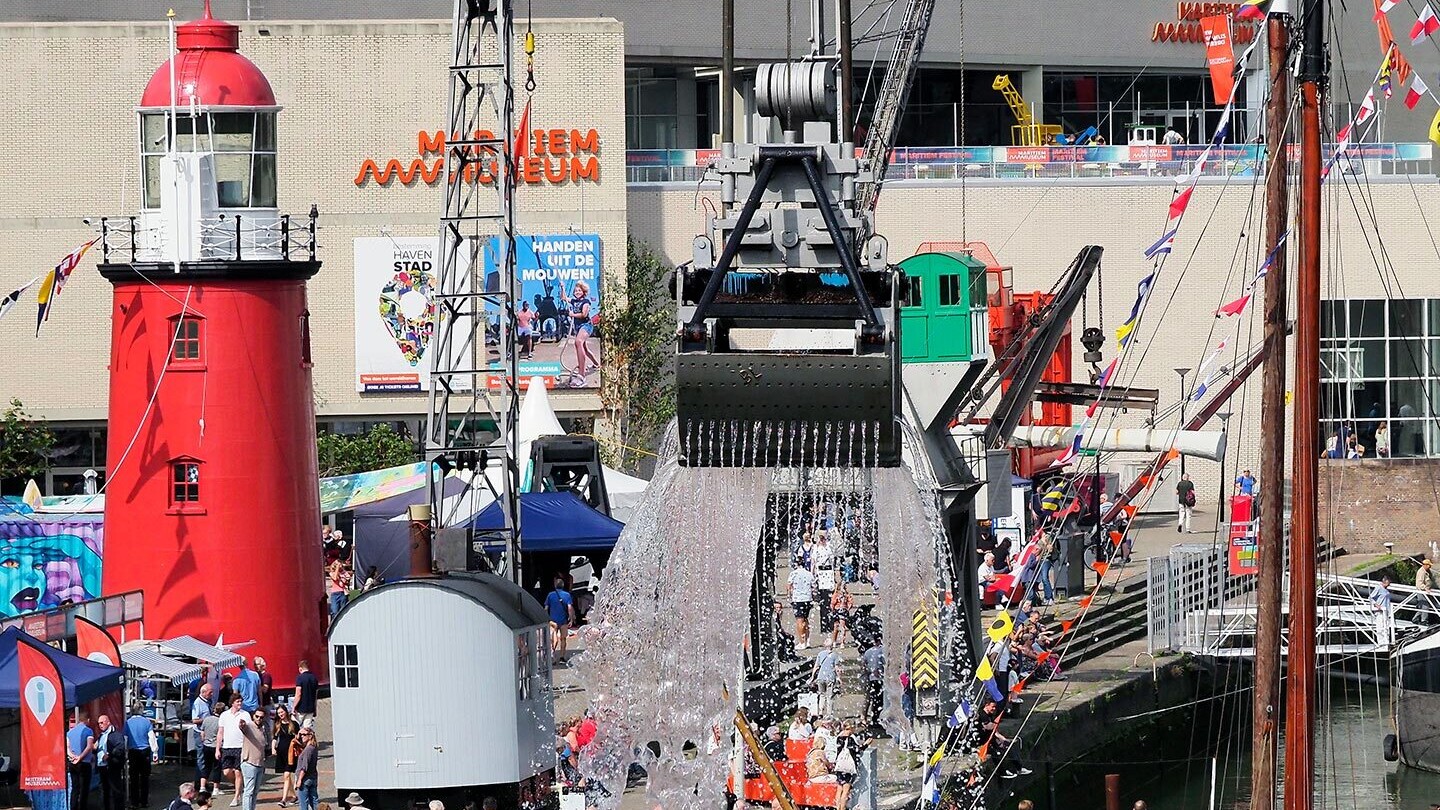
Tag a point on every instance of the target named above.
point(1195, 605)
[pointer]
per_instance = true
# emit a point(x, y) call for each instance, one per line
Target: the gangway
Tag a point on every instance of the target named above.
point(1197, 606)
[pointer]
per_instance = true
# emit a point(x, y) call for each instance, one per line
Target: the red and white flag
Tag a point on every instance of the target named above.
point(42, 719)
point(1367, 107)
point(1417, 89)
point(1424, 27)
point(1384, 7)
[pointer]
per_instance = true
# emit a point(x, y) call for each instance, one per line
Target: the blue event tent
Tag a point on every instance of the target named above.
point(84, 680)
point(554, 521)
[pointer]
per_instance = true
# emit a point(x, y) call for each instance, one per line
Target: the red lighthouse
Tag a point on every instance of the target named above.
point(212, 501)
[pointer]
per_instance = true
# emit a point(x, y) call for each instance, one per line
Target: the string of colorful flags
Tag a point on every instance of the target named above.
point(51, 285)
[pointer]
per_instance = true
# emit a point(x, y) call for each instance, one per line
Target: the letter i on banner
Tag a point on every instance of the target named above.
point(42, 720)
point(1220, 56)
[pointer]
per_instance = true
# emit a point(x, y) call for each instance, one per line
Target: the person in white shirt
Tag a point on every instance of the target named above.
point(822, 565)
point(1382, 603)
point(987, 569)
point(802, 593)
point(229, 742)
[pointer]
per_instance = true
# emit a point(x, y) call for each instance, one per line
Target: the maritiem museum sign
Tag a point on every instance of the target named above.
point(1186, 27)
point(545, 157)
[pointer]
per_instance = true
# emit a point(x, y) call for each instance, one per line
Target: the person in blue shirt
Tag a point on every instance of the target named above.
point(144, 752)
point(80, 748)
point(561, 607)
point(247, 686)
point(1245, 483)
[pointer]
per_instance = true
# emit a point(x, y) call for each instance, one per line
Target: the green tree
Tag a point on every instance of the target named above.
point(375, 449)
point(636, 372)
point(25, 444)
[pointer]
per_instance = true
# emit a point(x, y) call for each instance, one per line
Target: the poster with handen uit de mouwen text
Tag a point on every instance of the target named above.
point(558, 311)
point(396, 312)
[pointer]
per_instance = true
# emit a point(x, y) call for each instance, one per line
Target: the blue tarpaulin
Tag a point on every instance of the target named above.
point(554, 521)
point(84, 680)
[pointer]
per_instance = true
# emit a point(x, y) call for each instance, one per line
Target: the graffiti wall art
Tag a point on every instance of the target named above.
point(44, 562)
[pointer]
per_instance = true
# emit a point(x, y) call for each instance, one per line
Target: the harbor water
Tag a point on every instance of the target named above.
point(1351, 773)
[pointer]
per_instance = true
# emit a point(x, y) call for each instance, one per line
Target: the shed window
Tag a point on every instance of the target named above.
point(185, 482)
point(187, 340)
point(952, 286)
point(347, 666)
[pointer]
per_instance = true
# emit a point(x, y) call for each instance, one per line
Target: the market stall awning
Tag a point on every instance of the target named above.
point(191, 647)
point(148, 660)
point(554, 521)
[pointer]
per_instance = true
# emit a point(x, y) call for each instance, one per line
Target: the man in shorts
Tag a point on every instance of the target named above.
point(802, 592)
point(230, 742)
point(561, 607)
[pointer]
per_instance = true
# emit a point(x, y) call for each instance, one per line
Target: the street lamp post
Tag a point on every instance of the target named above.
point(1184, 400)
point(1224, 451)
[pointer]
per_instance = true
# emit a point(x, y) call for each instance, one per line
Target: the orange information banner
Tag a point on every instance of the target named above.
point(1220, 56)
point(42, 721)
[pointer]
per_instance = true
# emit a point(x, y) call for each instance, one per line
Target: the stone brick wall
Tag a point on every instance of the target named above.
point(1366, 504)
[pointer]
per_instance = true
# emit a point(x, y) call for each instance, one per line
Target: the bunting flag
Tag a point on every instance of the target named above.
point(1203, 374)
point(55, 281)
point(1234, 307)
point(1001, 628)
point(1103, 382)
point(1435, 129)
point(1181, 202)
point(1367, 107)
point(994, 690)
point(1165, 244)
point(1116, 538)
point(1252, 10)
point(1418, 88)
point(1122, 334)
point(1086, 600)
point(983, 671)
point(8, 302)
point(1043, 656)
point(1386, 85)
point(1384, 7)
point(1388, 47)
point(1065, 625)
point(1425, 27)
point(930, 791)
point(1101, 568)
point(961, 714)
point(1069, 455)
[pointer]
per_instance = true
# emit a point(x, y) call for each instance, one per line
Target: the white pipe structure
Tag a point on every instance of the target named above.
point(1206, 444)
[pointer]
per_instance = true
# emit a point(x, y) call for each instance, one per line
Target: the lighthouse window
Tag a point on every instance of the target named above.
point(185, 480)
point(187, 340)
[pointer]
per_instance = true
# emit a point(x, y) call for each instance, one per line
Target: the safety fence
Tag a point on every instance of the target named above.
point(1197, 604)
point(941, 163)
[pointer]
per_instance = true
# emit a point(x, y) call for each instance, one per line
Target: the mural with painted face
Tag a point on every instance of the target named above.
point(43, 563)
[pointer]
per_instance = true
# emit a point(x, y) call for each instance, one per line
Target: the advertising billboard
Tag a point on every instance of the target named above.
point(396, 284)
point(558, 309)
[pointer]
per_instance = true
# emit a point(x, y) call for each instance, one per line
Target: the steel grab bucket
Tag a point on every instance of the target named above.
point(786, 410)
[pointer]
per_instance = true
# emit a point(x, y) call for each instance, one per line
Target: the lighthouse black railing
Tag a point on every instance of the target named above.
point(228, 237)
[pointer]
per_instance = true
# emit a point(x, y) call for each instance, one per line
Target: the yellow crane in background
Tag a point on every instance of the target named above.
point(1026, 131)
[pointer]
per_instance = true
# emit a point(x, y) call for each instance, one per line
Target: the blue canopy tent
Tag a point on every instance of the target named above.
point(553, 522)
point(84, 680)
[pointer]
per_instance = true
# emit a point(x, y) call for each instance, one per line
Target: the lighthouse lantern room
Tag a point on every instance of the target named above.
point(212, 499)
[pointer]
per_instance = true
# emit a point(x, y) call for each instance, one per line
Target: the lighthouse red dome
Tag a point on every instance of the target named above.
point(209, 69)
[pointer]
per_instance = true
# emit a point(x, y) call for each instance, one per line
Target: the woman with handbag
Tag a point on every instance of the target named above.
point(847, 763)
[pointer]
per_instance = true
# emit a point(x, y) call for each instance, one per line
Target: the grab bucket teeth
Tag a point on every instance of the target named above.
point(786, 410)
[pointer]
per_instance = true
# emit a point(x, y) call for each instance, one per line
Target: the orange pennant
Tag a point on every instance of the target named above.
point(1117, 538)
point(1042, 657)
point(1065, 625)
point(1172, 454)
point(1144, 481)
point(1100, 569)
point(1085, 601)
point(1129, 509)
point(984, 751)
point(1020, 684)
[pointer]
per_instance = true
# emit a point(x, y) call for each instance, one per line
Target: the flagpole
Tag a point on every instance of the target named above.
point(171, 153)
